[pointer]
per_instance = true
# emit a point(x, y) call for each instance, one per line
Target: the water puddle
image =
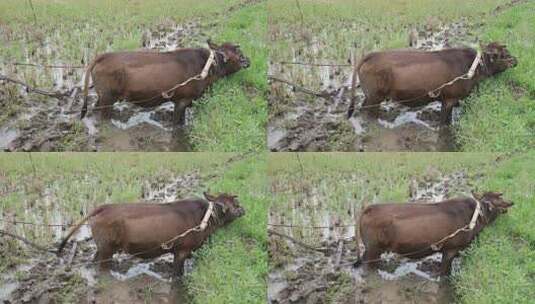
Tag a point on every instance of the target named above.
point(302, 122)
point(299, 275)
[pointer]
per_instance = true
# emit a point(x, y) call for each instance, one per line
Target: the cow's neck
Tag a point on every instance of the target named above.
point(482, 70)
point(218, 68)
point(483, 219)
point(216, 219)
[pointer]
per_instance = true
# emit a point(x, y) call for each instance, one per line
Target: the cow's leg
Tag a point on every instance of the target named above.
point(103, 257)
point(371, 105)
point(105, 104)
point(371, 257)
point(179, 116)
point(445, 113)
point(178, 262)
point(447, 259)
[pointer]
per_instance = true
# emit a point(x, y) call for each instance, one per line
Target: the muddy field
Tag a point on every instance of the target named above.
point(49, 124)
point(304, 122)
point(73, 277)
point(301, 275)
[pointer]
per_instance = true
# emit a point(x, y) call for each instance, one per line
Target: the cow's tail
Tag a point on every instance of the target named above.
point(353, 91)
point(86, 85)
point(356, 68)
point(76, 227)
point(357, 213)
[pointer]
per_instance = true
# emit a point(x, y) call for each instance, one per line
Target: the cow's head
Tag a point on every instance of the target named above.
point(228, 206)
point(492, 204)
point(497, 58)
point(230, 57)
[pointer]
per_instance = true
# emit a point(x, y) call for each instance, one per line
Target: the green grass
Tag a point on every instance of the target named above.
point(499, 267)
point(231, 267)
point(500, 116)
point(230, 117)
point(233, 116)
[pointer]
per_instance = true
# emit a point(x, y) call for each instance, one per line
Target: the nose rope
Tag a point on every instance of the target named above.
point(201, 227)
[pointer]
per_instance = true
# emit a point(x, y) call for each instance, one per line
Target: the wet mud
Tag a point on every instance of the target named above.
point(303, 122)
point(300, 275)
point(40, 123)
point(73, 277)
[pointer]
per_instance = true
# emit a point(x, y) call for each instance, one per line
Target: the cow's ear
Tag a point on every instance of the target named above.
point(209, 197)
point(212, 45)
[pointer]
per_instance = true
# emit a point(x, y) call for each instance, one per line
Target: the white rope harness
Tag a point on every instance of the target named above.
point(468, 227)
point(468, 75)
point(201, 227)
point(209, 62)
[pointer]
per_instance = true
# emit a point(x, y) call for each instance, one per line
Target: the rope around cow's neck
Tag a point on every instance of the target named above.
point(468, 75)
point(201, 227)
point(201, 76)
point(468, 227)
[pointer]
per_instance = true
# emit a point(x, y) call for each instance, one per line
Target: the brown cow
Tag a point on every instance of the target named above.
point(413, 76)
point(140, 229)
point(413, 229)
point(142, 77)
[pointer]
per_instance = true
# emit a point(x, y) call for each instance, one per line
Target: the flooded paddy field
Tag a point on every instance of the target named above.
point(53, 58)
point(45, 207)
point(311, 72)
point(316, 203)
